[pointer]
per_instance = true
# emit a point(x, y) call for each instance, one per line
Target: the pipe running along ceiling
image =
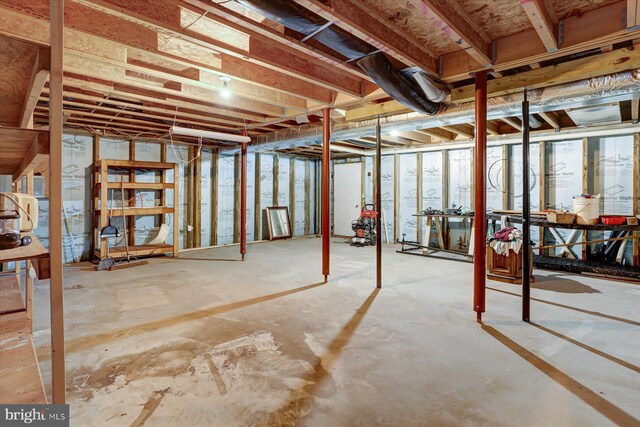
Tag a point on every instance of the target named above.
point(412, 87)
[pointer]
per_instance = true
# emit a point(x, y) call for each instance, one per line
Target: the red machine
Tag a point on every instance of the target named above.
point(365, 227)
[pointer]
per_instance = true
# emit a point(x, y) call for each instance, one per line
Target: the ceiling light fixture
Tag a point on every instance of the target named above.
point(198, 133)
point(394, 132)
point(225, 91)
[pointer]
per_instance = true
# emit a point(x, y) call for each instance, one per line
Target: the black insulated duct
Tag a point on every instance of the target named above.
point(403, 90)
point(414, 89)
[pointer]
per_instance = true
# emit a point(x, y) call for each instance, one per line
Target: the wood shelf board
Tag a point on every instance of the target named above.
point(10, 295)
point(15, 145)
point(21, 253)
point(138, 211)
point(128, 164)
point(20, 378)
point(138, 185)
point(139, 250)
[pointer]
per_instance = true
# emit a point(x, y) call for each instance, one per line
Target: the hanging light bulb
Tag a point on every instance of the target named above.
point(394, 132)
point(225, 91)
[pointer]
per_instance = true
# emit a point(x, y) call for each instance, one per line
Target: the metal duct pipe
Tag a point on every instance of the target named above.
point(534, 122)
point(598, 90)
point(406, 90)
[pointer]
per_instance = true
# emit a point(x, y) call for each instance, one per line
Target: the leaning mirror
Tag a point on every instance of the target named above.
point(278, 222)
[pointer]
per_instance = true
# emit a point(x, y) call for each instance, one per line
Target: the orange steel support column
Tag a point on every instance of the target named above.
point(480, 220)
point(326, 159)
point(243, 197)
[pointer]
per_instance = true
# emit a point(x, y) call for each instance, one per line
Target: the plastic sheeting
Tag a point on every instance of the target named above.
point(146, 227)
point(494, 176)
point(266, 190)
point(431, 185)
point(387, 169)
point(226, 199)
point(183, 152)
point(77, 158)
point(408, 197)
point(300, 196)
point(205, 197)
point(563, 176)
point(515, 182)
point(251, 196)
point(459, 178)
point(284, 173)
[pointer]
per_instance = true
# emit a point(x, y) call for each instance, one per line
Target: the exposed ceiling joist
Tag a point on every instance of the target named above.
point(270, 33)
point(513, 122)
point(579, 69)
point(536, 10)
point(456, 26)
point(550, 118)
point(39, 77)
point(362, 21)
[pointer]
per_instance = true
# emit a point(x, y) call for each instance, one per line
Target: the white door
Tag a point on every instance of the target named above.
point(347, 188)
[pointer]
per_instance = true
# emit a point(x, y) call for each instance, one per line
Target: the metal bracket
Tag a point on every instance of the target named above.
point(494, 51)
point(315, 33)
point(560, 33)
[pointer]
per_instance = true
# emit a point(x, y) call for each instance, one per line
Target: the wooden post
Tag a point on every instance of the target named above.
point(378, 198)
point(585, 186)
point(214, 197)
point(176, 210)
point(130, 221)
point(419, 190)
point(307, 197)
point(542, 148)
point(55, 202)
point(326, 159)
point(480, 228)
point(28, 287)
point(243, 197)
point(526, 213)
point(197, 196)
point(636, 194)
point(257, 219)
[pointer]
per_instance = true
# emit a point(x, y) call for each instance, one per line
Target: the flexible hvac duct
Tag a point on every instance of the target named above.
point(408, 91)
point(595, 91)
point(380, 69)
point(534, 122)
point(298, 18)
point(434, 91)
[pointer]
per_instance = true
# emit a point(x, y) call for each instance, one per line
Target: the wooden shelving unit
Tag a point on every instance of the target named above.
point(102, 189)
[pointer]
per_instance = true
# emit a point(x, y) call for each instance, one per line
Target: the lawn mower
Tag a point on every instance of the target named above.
point(365, 227)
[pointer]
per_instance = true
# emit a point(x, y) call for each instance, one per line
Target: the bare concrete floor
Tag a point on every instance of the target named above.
point(208, 341)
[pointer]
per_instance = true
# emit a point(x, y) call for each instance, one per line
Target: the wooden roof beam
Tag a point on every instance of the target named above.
point(38, 152)
point(39, 77)
point(514, 123)
point(539, 17)
point(241, 42)
point(550, 118)
point(151, 44)
point(271, 33)
point(589, 30)
point(368, 25)
point(441, 133)
point(455, 25)
point(565, 72)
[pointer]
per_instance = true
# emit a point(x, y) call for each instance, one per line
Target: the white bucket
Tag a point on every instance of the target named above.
point(587, 210)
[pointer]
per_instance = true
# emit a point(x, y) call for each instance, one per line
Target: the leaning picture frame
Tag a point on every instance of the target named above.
point(278, 223)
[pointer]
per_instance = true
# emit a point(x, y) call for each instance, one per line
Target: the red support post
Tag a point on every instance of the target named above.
point(243, 197)
point(326, 159)
point(480, 220)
